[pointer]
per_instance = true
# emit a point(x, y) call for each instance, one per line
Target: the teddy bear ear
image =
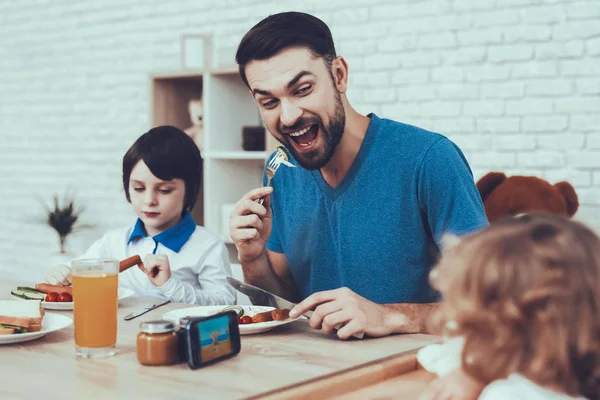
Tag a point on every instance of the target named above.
point(568, 192)
point(488, 183)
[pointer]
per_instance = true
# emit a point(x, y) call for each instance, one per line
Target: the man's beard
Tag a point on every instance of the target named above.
point(319, 157)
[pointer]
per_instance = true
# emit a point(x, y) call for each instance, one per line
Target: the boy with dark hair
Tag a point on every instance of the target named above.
point(183, 262)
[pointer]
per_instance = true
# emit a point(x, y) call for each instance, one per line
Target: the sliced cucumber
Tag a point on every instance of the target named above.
point(28, 289)
point(239, 310)
point(34, 296)
point(18, 293)
point(18, 329)
point(28, 295)
point(285, 152)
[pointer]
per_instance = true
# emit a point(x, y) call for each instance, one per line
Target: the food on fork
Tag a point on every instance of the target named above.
point(20, 316)
point(281, 157)
point(285, 155)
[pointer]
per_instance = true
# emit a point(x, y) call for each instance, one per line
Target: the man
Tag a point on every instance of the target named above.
point(351, 230)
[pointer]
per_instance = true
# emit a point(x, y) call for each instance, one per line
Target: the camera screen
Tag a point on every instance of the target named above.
point(215, 340)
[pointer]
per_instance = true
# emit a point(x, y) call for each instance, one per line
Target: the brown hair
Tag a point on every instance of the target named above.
point(524, 293)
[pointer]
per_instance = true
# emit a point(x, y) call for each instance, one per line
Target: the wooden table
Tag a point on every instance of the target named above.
point(287, 355)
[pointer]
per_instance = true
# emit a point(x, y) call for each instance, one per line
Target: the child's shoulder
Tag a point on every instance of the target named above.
point(201, 235)
point(120, 234)
point(518, 387)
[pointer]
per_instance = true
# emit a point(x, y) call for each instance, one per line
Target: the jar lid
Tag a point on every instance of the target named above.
point(159, 326)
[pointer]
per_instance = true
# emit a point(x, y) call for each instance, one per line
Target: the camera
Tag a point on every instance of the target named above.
point(206, 340)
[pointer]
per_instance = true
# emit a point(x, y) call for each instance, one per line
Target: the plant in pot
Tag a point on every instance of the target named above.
point(63, 216)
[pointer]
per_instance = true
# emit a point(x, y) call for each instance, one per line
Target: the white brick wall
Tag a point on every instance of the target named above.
point(516, 83)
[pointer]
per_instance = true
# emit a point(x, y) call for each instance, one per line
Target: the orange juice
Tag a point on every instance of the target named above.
point(95, 297)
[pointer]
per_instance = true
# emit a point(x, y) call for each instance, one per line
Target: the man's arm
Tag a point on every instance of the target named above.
point(270, 271)
point(447, 193)
point(409, 317)
point(356, 314)
point(250, 227)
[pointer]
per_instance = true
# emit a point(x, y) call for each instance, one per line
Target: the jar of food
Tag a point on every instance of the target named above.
point(157, 343)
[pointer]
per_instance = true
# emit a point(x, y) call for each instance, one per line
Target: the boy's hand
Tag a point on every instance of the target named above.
point(457, 385)
point(59, 275)
point(157, 268)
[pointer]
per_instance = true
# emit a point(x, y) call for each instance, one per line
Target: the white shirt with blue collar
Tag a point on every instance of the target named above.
point(198, 260)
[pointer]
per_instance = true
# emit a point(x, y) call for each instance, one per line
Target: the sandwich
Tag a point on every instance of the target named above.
point(18, 316)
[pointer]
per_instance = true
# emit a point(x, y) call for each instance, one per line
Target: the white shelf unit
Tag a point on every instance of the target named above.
point(228, 171)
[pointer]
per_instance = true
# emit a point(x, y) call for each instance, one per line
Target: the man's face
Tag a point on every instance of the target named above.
point(299, 104)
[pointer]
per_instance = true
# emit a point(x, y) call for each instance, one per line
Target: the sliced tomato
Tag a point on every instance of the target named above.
point(52, 297)
point(65, 298)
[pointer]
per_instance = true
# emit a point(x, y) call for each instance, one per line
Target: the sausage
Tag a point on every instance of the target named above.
point(129, 262)
point(262, 317)
point(280, 315)
point(47, 288)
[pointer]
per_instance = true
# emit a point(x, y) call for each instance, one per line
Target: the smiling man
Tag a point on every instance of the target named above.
point(354, 231)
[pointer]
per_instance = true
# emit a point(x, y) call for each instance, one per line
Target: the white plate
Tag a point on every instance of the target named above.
point(50, 323)
point(51, 305)
point(245, 329)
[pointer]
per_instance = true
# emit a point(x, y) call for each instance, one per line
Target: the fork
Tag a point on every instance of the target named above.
point(272, 167)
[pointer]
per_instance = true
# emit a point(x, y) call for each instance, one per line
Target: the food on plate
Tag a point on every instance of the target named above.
point(47, 288)
point(20, 316)
point(273, 315)
point(27, 289)
point(262, 317)
point(65, 298)
point(280, 315)
point(27, 293)
point(52, 297)
point(129, 262)
point(239, 310)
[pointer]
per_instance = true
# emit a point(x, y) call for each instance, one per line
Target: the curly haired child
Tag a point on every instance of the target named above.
point(521, 311)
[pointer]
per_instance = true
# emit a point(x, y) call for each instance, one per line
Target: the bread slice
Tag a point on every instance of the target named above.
point(34, 328)
point(7, 331)
point(25, 313)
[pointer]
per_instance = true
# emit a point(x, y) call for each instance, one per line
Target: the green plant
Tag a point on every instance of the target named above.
point(63, 217)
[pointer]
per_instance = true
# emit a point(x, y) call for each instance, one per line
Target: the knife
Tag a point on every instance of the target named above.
point(144, 310)
point(260, 297)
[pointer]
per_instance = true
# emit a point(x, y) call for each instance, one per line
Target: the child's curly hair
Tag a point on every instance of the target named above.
point(524, 294)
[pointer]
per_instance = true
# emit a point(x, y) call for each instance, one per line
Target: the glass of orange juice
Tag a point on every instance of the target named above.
point(95, 303)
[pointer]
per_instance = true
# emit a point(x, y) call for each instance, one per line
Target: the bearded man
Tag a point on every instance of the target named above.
point(351, 230)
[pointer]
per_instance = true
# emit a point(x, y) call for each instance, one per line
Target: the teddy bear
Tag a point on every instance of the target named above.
point(502, 195)
point(196, 130)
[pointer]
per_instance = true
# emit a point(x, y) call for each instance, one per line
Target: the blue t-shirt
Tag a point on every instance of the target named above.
point(378, 231)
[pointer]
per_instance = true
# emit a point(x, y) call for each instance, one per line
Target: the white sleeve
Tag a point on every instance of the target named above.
point(442, 358)
point(502, 390)
point(211, 271)
point(517, 387)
